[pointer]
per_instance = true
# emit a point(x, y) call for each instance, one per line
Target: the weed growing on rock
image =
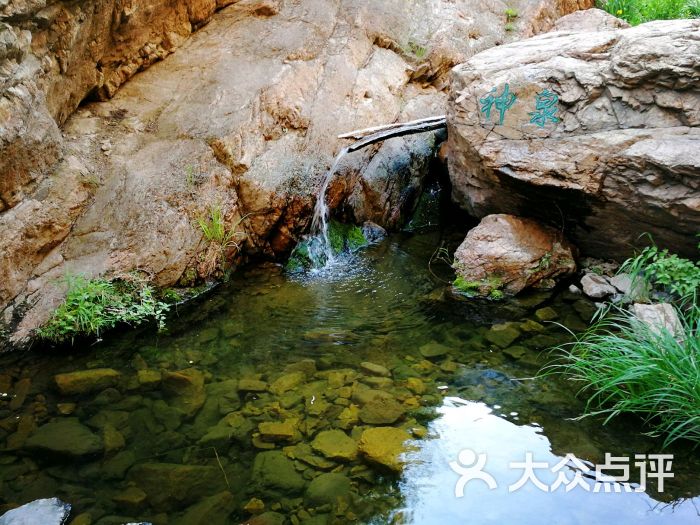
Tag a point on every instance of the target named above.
point(93, 306)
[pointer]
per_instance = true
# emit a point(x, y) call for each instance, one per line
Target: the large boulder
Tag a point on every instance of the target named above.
point(245, 117)
point(594, 131)
point(507, 254)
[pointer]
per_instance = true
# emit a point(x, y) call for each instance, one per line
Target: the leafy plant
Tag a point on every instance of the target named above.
point(627, 366)
point(511, 14)
point(654, 267)
point(92, 306)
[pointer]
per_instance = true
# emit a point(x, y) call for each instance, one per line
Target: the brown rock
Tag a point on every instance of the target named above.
point(510, 254)
point(137, 171)
point(611, 151)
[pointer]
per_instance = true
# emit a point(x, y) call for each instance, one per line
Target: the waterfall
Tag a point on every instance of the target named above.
point(318, 241)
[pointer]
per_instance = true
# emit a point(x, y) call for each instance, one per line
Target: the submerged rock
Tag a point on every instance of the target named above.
point(381, 411)
point(85, 381)
point(185, 389)
point(65, 437)
point(49, 511)
point(335, 444)
point(385, 446)
point(274, 472)
point(327, 489)
point(213, 510)
point(172, 485)
point(507, 254)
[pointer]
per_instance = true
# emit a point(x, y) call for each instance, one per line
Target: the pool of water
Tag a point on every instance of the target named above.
point(261, 403)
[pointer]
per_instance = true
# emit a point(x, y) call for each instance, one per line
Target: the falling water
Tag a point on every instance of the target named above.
point(319, 243)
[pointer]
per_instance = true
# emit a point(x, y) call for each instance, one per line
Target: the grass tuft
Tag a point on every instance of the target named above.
point(627, 366)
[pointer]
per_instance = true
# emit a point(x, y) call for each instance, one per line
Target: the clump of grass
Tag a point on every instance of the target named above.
point(640, 11)
point(220, 237)
point(93, 306)
point(511, 14)
point(627, 366)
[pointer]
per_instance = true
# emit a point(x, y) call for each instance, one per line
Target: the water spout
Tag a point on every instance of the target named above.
point(319, 242)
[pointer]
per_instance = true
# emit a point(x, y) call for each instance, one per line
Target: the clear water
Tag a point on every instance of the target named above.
point(382, 306)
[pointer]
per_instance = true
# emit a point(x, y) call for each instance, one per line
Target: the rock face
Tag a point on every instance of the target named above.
point(592, 128)
point(508, 254)
point(49, 511)
point(242, 119)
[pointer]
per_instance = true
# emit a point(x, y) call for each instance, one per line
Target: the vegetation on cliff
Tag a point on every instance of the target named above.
point(93, 306)
point(640, 11)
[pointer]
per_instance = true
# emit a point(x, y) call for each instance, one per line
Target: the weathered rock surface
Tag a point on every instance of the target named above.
point(49, 511)
point(598, 133)
point(660, 316)
point(244, 117)
point(597, 286)
point(508, 254)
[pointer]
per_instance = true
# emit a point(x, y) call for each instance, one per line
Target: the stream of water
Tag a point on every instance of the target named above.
point(251, 409)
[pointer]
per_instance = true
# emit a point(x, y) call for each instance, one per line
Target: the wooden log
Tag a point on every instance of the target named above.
point(361, 133)
point(407, 128)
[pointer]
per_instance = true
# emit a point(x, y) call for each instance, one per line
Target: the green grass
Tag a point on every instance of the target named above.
point(626, 366)
point(93, 306)
point(640, 11)
point(215, 230)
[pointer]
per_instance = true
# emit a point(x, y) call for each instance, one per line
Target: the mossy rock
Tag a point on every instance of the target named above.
point(345, 237)
point(308, 253)
point(491, 287)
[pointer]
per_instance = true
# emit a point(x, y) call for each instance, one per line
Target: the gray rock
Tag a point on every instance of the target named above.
point(272, 470)
point(660, 316)
point(597, 286)
point(49, 511)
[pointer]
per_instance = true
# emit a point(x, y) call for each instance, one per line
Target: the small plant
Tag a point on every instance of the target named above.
point(417, 50)
point(511, 14)
point(658, 268)
point(509, 27)
point(221, 238)
point(93, 306)
point(190, 176)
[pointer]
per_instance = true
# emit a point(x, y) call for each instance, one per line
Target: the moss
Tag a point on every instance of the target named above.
point(356, 239)
point(470, 288)
point(345, 237)
point(300, 258)
point(496, 295)
point(489, 287)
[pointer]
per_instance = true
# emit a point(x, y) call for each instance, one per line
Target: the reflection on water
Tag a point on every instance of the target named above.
point(429, 482)
point(254, 404)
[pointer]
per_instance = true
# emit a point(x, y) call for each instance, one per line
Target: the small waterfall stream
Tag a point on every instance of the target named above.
point(318, 241)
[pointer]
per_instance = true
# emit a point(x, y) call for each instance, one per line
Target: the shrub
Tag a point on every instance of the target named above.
point(92, 306)
point(640, 11)
point(658, 268)
point(627, 366)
